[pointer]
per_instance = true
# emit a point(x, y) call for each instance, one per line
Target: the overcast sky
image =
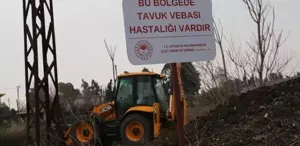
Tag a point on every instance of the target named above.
point(81, 26)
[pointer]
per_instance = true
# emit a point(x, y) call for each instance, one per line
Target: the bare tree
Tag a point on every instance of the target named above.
point(219, 34)
point(111, 52)
point(266, 44)
point(250, 66)
point(238, 58)
point(212, 82)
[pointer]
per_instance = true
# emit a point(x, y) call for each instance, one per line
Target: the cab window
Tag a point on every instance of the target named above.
point(125, 89)
point(124, 99)
point(161, 94)
point(145, 93)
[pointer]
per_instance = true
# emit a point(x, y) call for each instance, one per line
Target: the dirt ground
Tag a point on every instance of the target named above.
point(268, 116)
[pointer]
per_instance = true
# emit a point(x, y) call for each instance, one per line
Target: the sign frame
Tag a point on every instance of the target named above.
point(168, 31)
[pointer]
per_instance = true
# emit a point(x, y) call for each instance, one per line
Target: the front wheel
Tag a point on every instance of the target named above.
point(135, 129)
point(83, 133)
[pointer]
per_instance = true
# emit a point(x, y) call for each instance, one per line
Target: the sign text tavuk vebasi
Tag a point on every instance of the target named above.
point(168, 31)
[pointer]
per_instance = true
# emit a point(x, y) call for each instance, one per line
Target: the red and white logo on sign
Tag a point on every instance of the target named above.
point(143, 50)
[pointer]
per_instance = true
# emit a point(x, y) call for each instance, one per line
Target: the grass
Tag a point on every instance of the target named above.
point(13, 134)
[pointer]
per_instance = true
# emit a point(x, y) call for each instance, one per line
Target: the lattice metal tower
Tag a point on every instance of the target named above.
point(39, 37)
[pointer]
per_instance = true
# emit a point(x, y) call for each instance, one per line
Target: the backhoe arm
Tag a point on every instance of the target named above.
point(172, 105)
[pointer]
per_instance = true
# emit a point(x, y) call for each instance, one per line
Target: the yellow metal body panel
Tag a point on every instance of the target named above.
point(156, 119)
point(105, 110)
point(185, 122)
point(148, 109)
point(172, 108)
point(140, 74)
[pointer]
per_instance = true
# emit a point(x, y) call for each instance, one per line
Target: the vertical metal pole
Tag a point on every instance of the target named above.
point(26, 6)
point(8, 100)
point(54, 113)
point(178, 111)
point(45, 87)
point(35, 71)
point(113, 68)
point(116, 69)
point(18, 98)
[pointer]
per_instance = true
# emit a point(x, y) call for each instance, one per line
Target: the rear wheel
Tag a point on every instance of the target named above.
point(135, 129)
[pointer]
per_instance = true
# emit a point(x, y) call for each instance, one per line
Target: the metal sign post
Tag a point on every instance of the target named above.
point(178, 104)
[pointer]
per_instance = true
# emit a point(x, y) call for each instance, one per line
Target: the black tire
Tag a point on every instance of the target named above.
point(76, 142)
point(147, 126)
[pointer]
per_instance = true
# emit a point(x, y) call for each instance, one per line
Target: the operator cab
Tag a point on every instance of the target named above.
point(139, 89)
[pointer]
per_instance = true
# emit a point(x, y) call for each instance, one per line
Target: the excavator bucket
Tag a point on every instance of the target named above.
point(172, 105)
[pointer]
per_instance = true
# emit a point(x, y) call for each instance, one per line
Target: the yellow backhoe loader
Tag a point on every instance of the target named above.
point(137, 110)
